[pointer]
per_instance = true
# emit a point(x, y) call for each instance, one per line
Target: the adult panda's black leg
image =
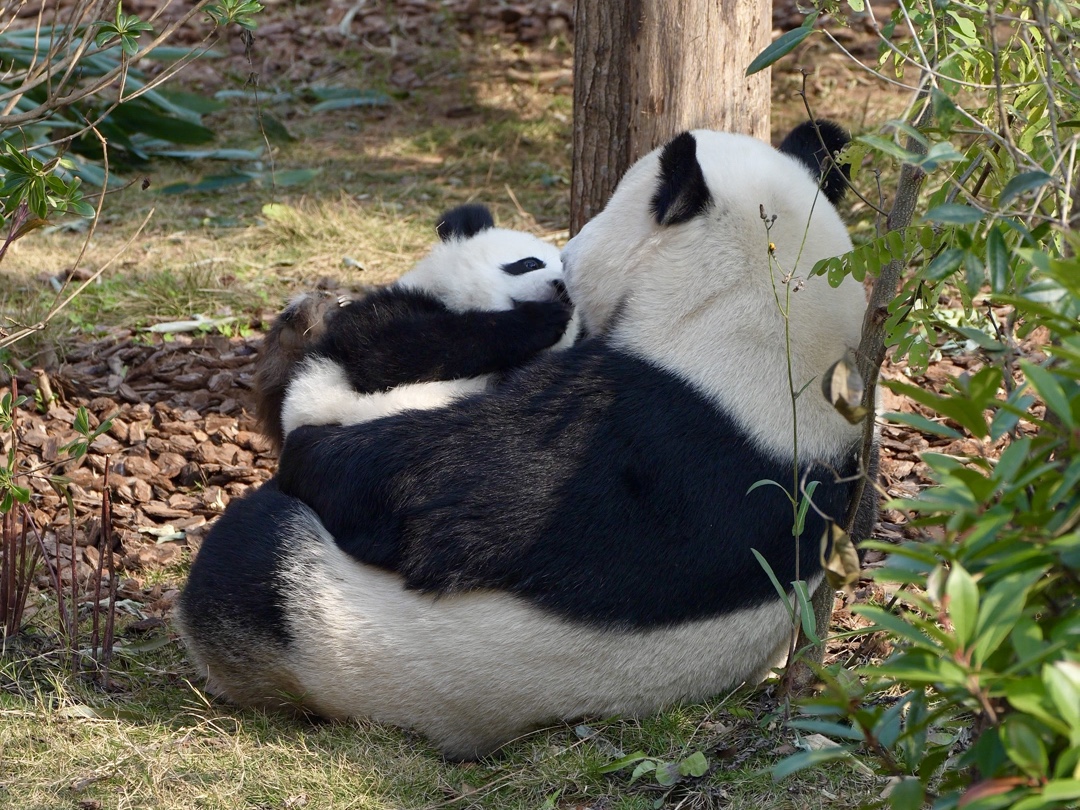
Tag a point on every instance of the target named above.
point(233, 611)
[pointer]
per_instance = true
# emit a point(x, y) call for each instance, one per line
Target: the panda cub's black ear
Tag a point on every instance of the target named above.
point(803, 143)
point(682, 193)
point(464, 222)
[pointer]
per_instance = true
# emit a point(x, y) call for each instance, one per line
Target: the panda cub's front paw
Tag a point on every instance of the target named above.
point(546, 321)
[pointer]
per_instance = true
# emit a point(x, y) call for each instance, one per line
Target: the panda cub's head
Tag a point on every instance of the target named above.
point(478, 266)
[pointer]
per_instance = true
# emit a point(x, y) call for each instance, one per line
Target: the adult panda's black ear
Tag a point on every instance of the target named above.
point(804, 144)
point(464, 222)
point(682, 193)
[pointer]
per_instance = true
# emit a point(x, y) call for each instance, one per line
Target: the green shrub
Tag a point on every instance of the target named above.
point(979, 704)
point(71, 89)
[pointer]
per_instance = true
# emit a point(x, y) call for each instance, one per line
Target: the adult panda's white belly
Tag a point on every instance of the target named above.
point(473, 670)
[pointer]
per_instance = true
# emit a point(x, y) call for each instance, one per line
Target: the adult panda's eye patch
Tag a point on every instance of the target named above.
point(522, 266)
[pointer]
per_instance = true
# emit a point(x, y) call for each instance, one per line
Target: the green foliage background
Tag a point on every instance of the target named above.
point(979, 705)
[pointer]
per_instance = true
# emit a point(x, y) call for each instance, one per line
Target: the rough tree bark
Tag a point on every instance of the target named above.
point(645, 70)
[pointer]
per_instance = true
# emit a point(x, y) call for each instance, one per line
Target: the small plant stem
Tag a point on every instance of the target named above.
point(793, 496)
point(95, 624)
point(74, 635)
point(106, 542)
point(7, 574)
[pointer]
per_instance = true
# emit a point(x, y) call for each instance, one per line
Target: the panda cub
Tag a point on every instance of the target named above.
point(580, 539)
point(483, 301)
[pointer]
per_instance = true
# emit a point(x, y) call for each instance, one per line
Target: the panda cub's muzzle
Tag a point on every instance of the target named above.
point(556, 292)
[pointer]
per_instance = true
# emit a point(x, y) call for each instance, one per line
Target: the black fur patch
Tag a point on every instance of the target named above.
point(394, 336)
point(682, 193)
point(234, 581)
point(803, 143)
point(591, 483)
point(464, 222)
point(523, 266)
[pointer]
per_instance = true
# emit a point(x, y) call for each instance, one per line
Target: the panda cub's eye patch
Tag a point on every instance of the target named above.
point(522, 266)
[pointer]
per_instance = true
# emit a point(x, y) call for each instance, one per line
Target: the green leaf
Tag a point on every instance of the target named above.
point(898, 626)
point(828, 729)
point(195, 102)
point(954, 214)
point(623, 762)
point(1028, 181)
point(944, 264)
point(963, 595)
point(765, 482)
point(807, 759)
point(922, 423)
point(1002, 607)
point(1050, 390)
point(1062, 679)
point(997, 260)
point(907, 794)
point(275, 130)
point(695, 765)
point(644, 767)
point(212, 154)
point(943, 152)
point(134, 117)
point(783, 45)
point(82, 421)
point(1061, 790)
point(666, 773)
point(211, 183)
point(1024, 746)
point(295, 177)
point(775, 582)
point(804, 507)
point(966, 412)
point(889, 148)
point(806, 612)
point(349, 98)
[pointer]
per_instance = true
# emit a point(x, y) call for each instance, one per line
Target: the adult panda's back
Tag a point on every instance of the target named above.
point(594, 484)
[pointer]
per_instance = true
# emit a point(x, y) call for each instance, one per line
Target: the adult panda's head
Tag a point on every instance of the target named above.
point(478, 266)
point(681, 268)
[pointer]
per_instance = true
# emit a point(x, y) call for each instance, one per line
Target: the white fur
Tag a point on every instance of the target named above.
point(471, 671)
point(699, 298)
point(320, 394)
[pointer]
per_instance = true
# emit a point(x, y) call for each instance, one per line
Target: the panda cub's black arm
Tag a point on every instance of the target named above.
point(394, 337)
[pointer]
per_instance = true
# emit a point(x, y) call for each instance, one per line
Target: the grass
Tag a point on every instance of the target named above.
point(155, 740)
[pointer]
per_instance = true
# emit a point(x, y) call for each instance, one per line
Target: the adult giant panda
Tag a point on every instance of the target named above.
point(484, 300)
point(578, 540)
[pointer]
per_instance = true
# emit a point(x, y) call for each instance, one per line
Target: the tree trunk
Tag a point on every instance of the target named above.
point(645, 70)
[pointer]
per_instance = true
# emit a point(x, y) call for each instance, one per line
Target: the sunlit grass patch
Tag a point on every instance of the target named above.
point(159, 742)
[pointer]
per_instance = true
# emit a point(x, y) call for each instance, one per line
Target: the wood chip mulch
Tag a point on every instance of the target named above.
point(182, 443)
